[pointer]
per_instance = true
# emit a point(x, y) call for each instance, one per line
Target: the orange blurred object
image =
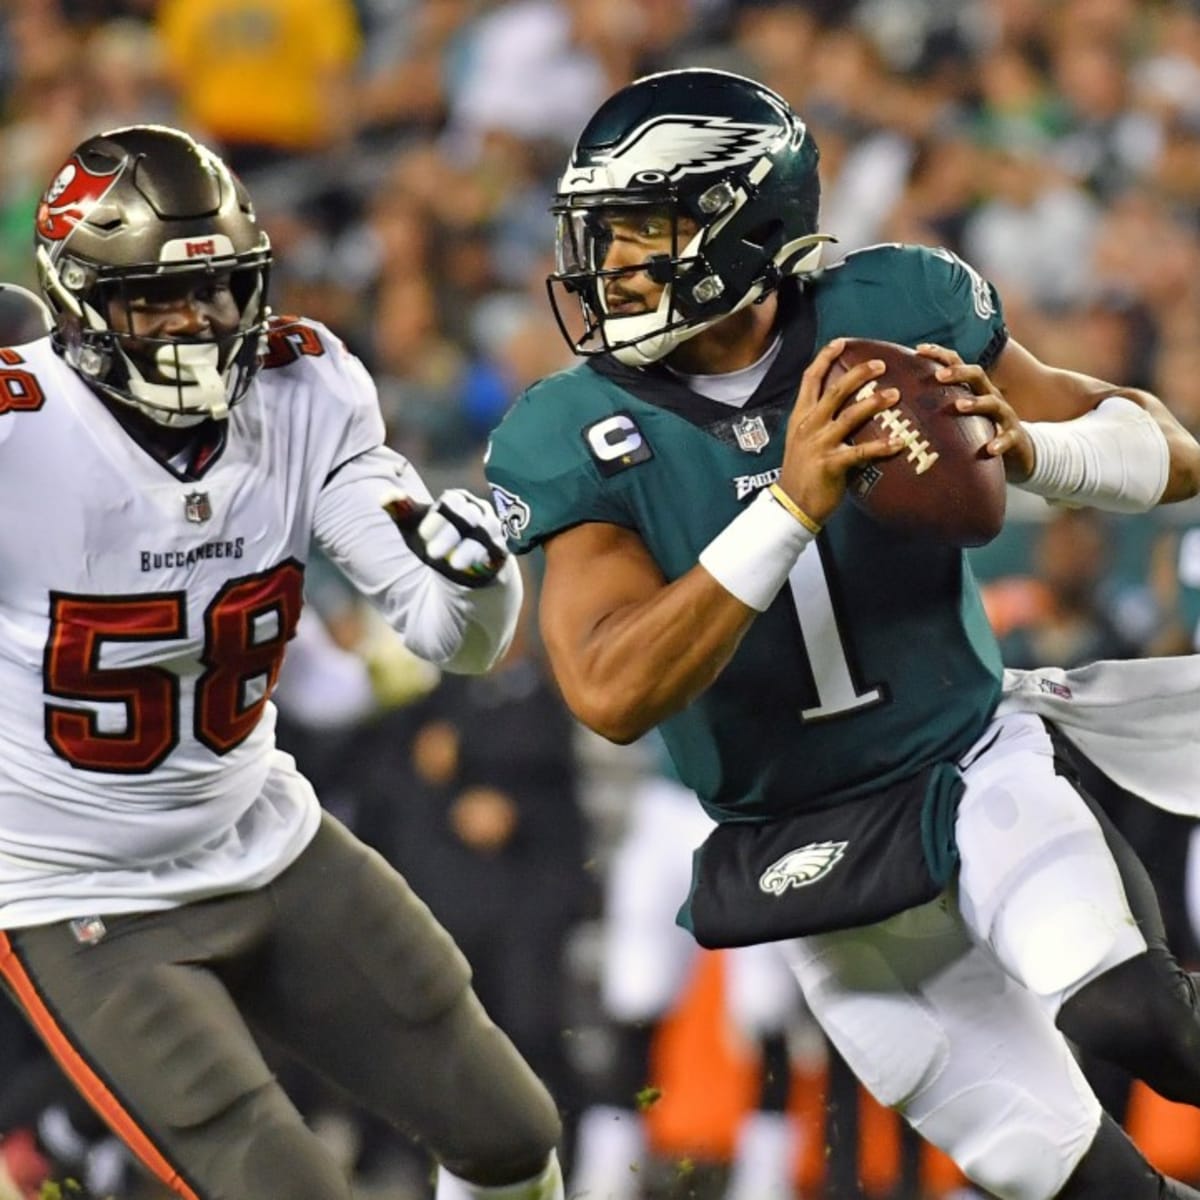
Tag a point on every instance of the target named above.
point(708, 1078)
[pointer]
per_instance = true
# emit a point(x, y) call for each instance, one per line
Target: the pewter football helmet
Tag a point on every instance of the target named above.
point(148, 204)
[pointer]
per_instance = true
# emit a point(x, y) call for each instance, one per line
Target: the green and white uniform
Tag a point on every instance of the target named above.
point(876, 660)
point(872, 671)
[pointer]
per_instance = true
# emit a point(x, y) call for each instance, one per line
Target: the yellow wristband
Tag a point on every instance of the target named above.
point(753, 555)
point(786, 502)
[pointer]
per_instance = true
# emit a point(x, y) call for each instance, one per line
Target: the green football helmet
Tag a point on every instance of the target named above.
point(718, 148)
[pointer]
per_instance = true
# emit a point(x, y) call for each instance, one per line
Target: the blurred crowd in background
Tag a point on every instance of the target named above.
point(402, 155)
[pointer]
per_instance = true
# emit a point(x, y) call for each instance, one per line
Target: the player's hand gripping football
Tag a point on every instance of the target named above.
point(458, 535)
point(1011, 441)
point(817, 456)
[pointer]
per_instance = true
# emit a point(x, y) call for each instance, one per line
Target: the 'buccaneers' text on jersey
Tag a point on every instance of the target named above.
point(145, 608)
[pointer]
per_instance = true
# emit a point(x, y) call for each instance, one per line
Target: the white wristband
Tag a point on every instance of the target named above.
point(1115, 457)
point(752, 555)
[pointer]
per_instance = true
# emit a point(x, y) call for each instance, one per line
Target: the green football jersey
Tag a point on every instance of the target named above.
point(876, 658)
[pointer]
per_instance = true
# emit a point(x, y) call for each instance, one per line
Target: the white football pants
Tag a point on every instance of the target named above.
point(946, 1011)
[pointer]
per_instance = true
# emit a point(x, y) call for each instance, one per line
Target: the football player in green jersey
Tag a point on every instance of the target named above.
point(949, 901)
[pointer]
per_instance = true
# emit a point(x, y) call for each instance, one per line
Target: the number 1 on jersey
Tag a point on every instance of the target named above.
point(824, 648)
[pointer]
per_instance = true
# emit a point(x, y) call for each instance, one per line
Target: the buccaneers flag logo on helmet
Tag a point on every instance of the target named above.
point(68, 200)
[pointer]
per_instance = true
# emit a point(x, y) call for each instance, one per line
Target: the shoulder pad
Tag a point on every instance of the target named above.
point(557, 409)
point(292, 340)
point(910, 294)
point(306, 355)
point(31, 374)
point(542, 475)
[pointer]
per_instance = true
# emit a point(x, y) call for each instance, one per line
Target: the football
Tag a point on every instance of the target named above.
point(942, 485)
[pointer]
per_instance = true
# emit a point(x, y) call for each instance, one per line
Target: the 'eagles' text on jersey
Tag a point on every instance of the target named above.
point(876, 658)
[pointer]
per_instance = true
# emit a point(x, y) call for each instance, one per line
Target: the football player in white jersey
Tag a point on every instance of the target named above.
point(169, 886)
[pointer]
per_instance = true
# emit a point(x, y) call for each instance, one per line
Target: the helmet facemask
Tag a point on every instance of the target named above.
point(176, 380)
point(583, 241)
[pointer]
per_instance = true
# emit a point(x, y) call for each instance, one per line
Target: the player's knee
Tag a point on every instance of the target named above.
point(1015, 1164)
point(262, 1148)
point(1054, 943)
point(1008, 1142)
point(288, 1162)
point(518, 1151)
point(1142, 1015)
point(504, 1122)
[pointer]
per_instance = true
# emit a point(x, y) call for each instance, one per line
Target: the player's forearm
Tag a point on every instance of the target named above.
point(1183, 474)
point(646, 661)
point(1126, 458)
point(1128, 454)
point(477, 627)
point(461, 629)
point(653, 654)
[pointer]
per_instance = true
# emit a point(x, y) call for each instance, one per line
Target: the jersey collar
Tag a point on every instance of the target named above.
point(664, 389)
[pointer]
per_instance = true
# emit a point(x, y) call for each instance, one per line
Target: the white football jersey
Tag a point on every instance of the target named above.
point(143, 620)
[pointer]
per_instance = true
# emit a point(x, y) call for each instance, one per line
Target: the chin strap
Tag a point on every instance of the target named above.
point(801, 256)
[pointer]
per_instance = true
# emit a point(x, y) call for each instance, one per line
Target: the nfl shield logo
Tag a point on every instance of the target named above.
point(196, 507)
point(751, 434)
point(87, 931)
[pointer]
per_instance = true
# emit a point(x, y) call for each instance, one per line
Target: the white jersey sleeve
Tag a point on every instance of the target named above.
point(460, 629)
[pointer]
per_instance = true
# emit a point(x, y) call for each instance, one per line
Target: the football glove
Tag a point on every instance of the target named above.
point(458, 535)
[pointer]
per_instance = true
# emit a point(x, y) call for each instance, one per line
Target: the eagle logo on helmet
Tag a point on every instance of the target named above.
point(670, 147)
point(68, 200)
